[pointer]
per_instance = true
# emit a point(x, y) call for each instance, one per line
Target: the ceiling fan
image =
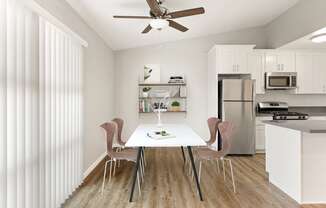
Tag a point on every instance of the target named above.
point(162, 17)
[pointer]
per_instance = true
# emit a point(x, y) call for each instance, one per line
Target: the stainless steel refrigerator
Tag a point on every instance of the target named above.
point(236, 103)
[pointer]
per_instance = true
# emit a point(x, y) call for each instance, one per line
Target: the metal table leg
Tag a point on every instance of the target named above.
point(135, 173)
point(183, 155)
point(195, 172)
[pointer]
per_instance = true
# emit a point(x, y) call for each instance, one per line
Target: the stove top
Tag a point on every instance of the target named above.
point(290, 116)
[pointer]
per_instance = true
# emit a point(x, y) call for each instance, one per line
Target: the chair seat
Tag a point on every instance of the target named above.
point(208, 154)
point(126, 154)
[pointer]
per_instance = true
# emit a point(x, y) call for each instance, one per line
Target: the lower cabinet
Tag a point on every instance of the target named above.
point(260, 131)
point(260, 134)
point(260, 139)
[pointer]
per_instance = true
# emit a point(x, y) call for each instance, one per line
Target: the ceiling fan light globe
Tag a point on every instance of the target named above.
point(159, 23)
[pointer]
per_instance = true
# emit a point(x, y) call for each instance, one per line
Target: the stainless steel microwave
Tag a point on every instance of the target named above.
point(280, 80)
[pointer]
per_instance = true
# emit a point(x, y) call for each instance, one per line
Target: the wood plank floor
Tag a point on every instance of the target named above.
point(167, 185)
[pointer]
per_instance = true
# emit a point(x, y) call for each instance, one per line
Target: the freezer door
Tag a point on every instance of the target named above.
point(238, 89)
point(241, 114)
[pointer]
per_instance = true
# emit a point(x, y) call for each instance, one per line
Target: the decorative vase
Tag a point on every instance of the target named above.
point(145, 94)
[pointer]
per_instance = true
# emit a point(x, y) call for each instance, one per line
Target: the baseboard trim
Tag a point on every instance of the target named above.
point(94, 166)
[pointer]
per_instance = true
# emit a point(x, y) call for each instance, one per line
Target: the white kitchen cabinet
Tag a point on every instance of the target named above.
point(319, 73)
point(260, 139)
point(260, 133)
point(311, 73)
point(232, 59)
point(304, 68)
point(256, 68)
point(227, 60)
point(279, 61)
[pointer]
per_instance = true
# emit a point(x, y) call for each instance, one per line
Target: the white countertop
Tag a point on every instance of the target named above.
point(308, 126)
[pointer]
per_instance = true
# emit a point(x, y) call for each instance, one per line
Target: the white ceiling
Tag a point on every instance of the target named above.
point(306, 43)
point(221, 16)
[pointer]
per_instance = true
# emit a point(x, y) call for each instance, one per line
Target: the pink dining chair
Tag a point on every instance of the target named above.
point(119, 122)
point(205, 154)
point(212, 123)
point(122, 142)
point(213, 126)
point(125, 154)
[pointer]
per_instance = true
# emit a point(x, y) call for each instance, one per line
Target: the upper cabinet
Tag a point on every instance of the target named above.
point(256, 68)
point(279, 61)
point(311, 72)
point(304, 68)
point(319, 73)
point(232, 58)
point(242, 59)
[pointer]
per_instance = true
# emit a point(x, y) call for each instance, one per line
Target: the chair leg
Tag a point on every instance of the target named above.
point(114, 167)
point(218, 166)
point(223, 165)
point(189, 168)
point(232, 176)
point(104, 175)
point(142, 160)
point(119, 161)
point(138, 181)
point(144, 157)
point(110, 173)
point(199, 176)
point(141, 172)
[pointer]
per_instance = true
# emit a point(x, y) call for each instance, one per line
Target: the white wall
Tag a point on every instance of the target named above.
point(304, 18)
point(98, 79)
point(187, 57)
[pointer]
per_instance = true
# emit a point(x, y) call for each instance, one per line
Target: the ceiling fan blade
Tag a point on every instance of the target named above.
point(132, 17)
point(147, 29)
point(186, 13)
point(155, 7)
point(177, 26)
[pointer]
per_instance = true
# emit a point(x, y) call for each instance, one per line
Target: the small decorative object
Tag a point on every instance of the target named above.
point(160, 135)
point(145, 91)
point(175, 106)
point(177, 80)
point(152, 73)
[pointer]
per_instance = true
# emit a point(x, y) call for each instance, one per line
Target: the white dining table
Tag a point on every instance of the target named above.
point(183, 136)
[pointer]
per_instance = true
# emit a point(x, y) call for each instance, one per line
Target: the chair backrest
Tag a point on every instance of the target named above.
point(110, 128)
point(119, 122)
point(213, 127)
point(226, 130)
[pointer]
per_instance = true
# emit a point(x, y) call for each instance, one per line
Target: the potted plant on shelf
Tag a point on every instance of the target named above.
point(175, 106)
point(145, 91)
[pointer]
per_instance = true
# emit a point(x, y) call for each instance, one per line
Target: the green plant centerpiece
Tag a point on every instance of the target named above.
point(175, 106)
point(146, 91)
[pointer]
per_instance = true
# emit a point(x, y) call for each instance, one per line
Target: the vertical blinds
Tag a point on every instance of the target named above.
point(40, 108)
